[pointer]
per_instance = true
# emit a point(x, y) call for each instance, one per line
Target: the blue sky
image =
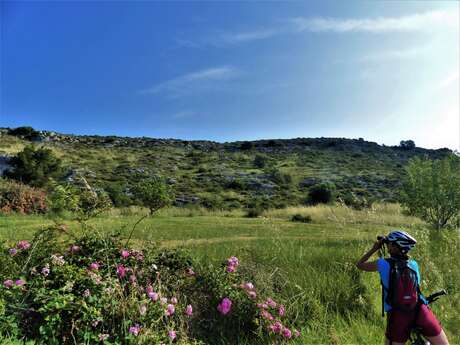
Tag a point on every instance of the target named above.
point(385, 71)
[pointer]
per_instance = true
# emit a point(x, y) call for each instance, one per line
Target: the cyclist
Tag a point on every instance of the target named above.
point(400, 323)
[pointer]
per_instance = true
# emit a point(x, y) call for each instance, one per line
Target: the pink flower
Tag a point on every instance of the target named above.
point(248, 286)
point(231, 268)
point(74, 249)
point(266, 315)
point(149, 289)
point(276, 327)
point(296, 333)
point(188, 310)
point(12, 251)
point(45, 271)
point(153, 296)
point(121, 271)
point(174, 300)
point(271, 303)
point(94, 266)
point(262, 305)
point(8, 283)
point(233, 261)
point(124, 253)
point(281, 310)
point(170, 310)
point(19, 282)
point(132, 279)
point(225, 306)
point(287, 333)
point(23, 245)
point(134, 330)
point(189, 272)
point(172, 335)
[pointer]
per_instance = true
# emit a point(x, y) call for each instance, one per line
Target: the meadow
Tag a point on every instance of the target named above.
point(308, 266)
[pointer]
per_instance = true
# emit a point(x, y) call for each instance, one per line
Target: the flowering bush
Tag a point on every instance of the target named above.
point(92, 289)
point(17, 197)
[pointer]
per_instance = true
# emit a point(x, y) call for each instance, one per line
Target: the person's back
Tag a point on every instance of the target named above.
point(401, 297)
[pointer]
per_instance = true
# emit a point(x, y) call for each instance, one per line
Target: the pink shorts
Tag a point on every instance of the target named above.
point(399, 324)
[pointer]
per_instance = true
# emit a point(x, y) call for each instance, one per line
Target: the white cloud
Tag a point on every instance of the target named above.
point(397, 54)
point(452, 79)
point(427, 21)
point(194, 81)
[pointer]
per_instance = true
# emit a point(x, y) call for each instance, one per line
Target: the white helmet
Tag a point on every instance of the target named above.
point(402, 239)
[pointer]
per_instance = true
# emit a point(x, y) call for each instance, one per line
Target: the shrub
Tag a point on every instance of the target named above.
point(300, 218)
point(246, 145)
point(431, 190)
point(92, 289)
point(322, 193)
point(260, 161)
point(26, 131)
point(153, 193)
point(63, 198)
point(35, 167)
point(254, 212)
point(17, 197)
point(407, 144)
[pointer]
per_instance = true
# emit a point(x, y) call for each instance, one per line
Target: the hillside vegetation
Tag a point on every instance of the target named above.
point(271, 173)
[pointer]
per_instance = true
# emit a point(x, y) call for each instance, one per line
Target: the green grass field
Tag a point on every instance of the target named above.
point(310, 265)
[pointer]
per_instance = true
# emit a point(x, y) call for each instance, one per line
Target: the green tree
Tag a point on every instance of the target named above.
point(35, 167)
point(431, 190)
point(322, 193)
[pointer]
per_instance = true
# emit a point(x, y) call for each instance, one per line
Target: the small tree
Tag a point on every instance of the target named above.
point(322, 193)
point(407, 144)
point(431, 190)
point(35, 167)
point(153, 193)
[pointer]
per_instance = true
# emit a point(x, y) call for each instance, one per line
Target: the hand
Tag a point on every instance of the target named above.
point(377, 245)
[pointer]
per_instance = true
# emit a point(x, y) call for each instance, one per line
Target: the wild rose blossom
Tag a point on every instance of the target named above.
point(277, 327)
point(19, 282)
point(23, 245)
point(189, 310)
point(124, 253)
point(170, 310)
point(174, 300)
point(12, 251)
point(281, 310)
point(232, 264)
point(121, 271)
point(247, 286)
point(134, 330)
point(266, 315)
point(74, 249)
point(172, 335)
point(231, 268)
point(8, 283)
point(46, 271)
point(252, 294)
point(153, 296)
point(271, 303)
point(94, 266)
point(225, 306)
point(287, 333)
point(148, 289)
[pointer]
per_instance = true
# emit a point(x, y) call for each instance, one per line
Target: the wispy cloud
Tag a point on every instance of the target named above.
point(417, 22)
point(195, 81)
point(426, 21)
point(397, 54)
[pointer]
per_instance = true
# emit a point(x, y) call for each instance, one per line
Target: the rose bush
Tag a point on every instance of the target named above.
point(61, 289)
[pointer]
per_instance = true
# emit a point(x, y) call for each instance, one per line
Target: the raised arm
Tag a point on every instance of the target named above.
point(363, 263)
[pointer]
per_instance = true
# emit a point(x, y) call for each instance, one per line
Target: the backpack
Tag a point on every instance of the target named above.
point(404, 291)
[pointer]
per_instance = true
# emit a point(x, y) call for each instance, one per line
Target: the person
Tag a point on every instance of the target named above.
point(399, 322)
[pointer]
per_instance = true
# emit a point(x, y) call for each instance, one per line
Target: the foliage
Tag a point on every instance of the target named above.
point(260, 161)
point(35, 167)
point(431, 190)
point(322, 193)
point(153, 193)
point(301, 218)
point(25, 131)
point(63, 198)
point(358, 203)
point(17, 197)
point(407, 144)
point(254, 212)
point(91, 289)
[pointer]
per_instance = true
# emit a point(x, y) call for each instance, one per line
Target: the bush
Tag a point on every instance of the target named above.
point(17, 197)
point(153, 193)
point(254, 212)
point(247, 145)
point(407, 144)
point(300, 218)
point(431, 190)
point(323, 193)
point(35, 167)
point(26, 131)
point(260, 161)
point(91, 289)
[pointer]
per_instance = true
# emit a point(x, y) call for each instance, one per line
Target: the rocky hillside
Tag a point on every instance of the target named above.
point(234, 174)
